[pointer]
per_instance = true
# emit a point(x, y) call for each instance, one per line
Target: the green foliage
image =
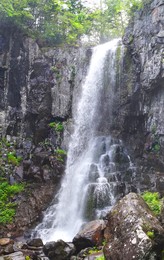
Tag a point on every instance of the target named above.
point(94, 250)
point(65, 21)
point(7, 208)
point(153, 144)
point(162, 254)
point(100, 258)
point(104, 242)
point(58, 127)
point(89, 212)
point(150, 234)
point(55, 21)
point(114, 17)
point(60, 155)
point(156, 147)
point(8, 157)
point(27, 257)
point(55, 69)
point(13, 159)
point(153, 200)
point(61, 152)
point(154, 129)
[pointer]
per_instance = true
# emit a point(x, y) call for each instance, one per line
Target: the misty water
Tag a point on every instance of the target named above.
point(91, 184)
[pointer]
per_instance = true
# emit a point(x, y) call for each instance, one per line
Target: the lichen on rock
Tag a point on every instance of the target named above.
point(128, 225)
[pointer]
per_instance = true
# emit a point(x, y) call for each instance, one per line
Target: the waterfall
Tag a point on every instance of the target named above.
point(94, 161)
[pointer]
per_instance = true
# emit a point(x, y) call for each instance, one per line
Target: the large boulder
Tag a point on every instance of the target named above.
point(14, 256)
point(91, 234)
point(36, 242)
point(5, 241)
point(132, 231)
point(6, 246)
point(59, 250)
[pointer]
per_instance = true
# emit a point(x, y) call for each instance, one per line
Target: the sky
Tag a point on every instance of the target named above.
point(92, 2)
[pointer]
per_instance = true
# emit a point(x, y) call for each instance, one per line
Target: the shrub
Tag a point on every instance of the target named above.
point(94, 250)
point(61, 152)
point(58, 127)
point(153, 201)
point(150, 234)
point(8, 157)
point(60, 155)
point(13, 159)
point(27, 257)
point(8, 208)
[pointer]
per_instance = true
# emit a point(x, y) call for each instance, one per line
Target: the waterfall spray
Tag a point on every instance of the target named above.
point(88, 188)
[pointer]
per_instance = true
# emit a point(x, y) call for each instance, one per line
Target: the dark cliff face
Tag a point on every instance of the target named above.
point(41, 85)
point(36, 84)
point(139, 113)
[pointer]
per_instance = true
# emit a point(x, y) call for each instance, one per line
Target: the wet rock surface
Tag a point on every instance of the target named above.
point(37, 84)
point(133, 232)
point(32, 249)
point(138, 106)
point(36, 90)
point(130, 231)
point(91, 234)
point(59, 250)
point(40, 170)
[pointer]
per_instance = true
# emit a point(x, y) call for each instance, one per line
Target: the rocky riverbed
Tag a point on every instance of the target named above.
point(129, 231)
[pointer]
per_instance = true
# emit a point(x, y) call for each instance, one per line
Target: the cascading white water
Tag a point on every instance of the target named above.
point(91, 173)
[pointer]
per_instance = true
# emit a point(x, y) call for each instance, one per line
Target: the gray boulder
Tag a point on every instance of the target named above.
point(133, 232)
point(59, 250)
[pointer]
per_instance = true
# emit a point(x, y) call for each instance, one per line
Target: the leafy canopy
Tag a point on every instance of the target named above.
point(65, 21)
point(56, 20)
point(115, 15)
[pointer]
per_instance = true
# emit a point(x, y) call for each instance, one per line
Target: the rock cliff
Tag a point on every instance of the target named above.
point(40, 85)
point(139, 110)
point(37, 85)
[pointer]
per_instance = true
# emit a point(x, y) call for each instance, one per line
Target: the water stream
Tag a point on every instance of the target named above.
point(96, 162)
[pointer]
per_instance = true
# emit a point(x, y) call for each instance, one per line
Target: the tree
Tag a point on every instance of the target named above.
point(115, 15)
point(65, 21)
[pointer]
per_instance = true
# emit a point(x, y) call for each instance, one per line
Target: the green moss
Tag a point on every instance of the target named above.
point(146, 227)
point(131, 38)
point(90, 207)
point(54, 69)
point(27, 257)
point(118, 53)
point(156, 147)
point(104, 242)
point(7, 207)
point(73, 73)
point(162, 254)
point(61, 152)
point(94, 250)
point(57, 126)
point(153, 201)
point(100, 258)
point(13, 159)
point(154, 129)
point(57, 72)
point(60, 155)
point(8, 157)
point(150, 234)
